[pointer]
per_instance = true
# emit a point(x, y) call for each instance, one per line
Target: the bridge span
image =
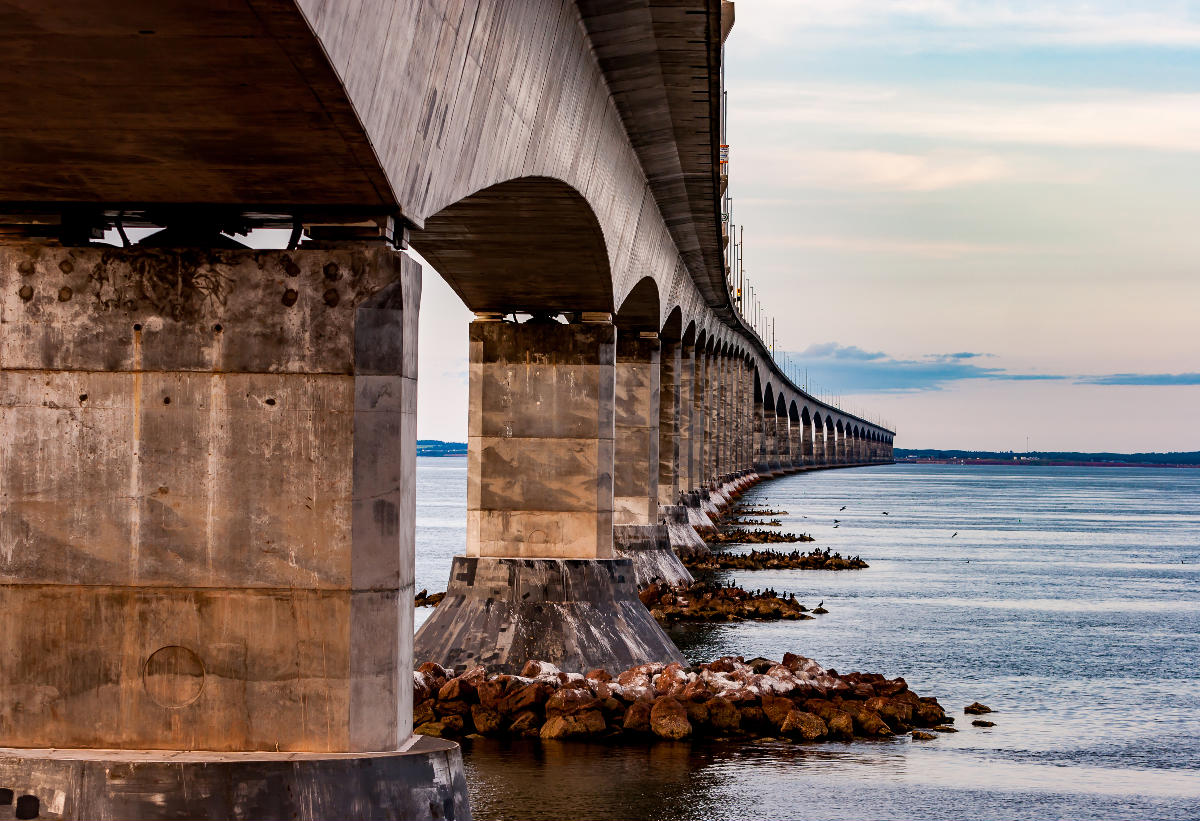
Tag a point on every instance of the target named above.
point(207, 468)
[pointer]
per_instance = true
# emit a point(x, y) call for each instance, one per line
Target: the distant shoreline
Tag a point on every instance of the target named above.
point(1040, 463)
point(1186, 459)
point(436, 447)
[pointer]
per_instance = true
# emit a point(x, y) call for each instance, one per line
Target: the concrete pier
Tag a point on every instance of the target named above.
point(541, 578)
point(207, 525)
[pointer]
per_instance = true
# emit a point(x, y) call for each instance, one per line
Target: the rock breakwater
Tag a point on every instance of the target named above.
point(703, 602)
point(795, 698)
point(815, 559)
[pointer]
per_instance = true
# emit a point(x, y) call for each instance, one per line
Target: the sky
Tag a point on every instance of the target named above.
point(983, 218)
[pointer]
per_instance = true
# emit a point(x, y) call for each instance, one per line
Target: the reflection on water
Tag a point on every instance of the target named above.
point(1069, 601)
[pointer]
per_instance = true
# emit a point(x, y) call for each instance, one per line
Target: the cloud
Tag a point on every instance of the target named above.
point(1143, 379)
point(878, 170)
point(832, 350)
point(889, 246)
point(996, 114)
point(970, 24)
point(849, 369)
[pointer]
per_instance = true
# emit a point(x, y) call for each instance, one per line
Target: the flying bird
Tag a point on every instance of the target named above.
point(843, 507)
point(835, 527)
point(885, 513)
point(952, 535)
point(835, 521)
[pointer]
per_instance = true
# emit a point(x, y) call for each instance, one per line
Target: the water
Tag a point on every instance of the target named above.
point(1069, 601)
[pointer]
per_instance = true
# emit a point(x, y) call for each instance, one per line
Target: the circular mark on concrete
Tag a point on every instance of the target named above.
point(173, 676)
point(289, 297)
point(26, 293)
point(66, 266)
point(65, 293)
point(25, 267)
point(331, 297)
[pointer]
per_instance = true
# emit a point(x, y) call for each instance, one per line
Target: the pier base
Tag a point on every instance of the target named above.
point(424, 781)
point(649, 548)
point(578, 614)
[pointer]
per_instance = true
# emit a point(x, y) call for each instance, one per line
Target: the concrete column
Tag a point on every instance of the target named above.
point(635, 471)
point(806, 443)
point(796, 444)
point(702, 422)
point(840, 446)
point(760, 440)
point(539, 580)
point(540, 440)
point(782, 426)
point(207, 523)
point(716, 385)
point(771, 439)
point(670, 364)
point(820, 457)
point(687, 413)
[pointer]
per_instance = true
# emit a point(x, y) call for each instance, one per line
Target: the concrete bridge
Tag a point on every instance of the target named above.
point(206, 473)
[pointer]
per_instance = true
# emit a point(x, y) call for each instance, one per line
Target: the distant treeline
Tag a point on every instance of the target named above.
point(1044, 457)
point(436, 447)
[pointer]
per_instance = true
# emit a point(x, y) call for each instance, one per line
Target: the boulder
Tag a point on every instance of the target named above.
point(567, 701)
point(485, 719)
point(752, 714)
point(840, 724)
point(528, 697)
point(697, 712)
point(457, 689)
point(432, 728)
point(979, 722)
point(668, 719)
point(804, 726)
point(761, 665)
point(534, 668)
point(599, 674)
point(869, 724)
point(928, 715)
point(525, 722)
point(637, 717)
point(976, 709)
point(452, 708)
point(587, 722)
point(897, 714)
point(491, 693)
point(920, 736)
point(722, 715)
point(423, 713)
point(776, 709)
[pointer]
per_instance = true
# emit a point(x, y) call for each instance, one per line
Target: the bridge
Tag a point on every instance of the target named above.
point(207, 468)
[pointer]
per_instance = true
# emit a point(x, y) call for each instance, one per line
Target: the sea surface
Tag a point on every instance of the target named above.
point(1068, 601)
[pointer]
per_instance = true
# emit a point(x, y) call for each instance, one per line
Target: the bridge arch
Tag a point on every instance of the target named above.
point(528, 244)
point(640, 310)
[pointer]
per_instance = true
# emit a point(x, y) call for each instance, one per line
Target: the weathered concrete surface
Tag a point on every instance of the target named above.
point(425, 781)
point(684, 539)
point(649, 548)
point(540, 440)
point(670, 364)
point(576, 614)
point(206, 525)
point(636, 437)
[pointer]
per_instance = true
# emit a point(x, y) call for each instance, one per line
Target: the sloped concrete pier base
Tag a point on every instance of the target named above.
point(578, 614)
point(685, 541)
point(649, 548)
point(424, 781)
